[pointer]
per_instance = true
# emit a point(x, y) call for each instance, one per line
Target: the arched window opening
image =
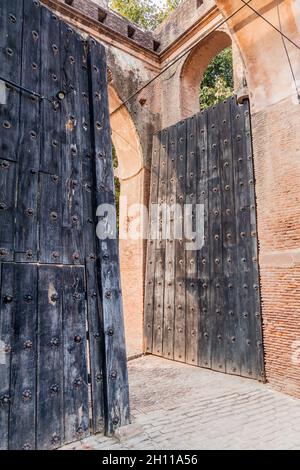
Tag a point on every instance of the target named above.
point(207, 74)
point(218, 83)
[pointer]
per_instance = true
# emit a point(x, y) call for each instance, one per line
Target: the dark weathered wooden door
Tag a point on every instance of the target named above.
point(62, 351)
point(202, 305)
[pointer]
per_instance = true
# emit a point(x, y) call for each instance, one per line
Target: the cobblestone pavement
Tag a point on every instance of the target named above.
point(176, 406)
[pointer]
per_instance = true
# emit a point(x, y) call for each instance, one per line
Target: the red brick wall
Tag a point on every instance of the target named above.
point(276, 132)
point(281, 313)
point(114, 22)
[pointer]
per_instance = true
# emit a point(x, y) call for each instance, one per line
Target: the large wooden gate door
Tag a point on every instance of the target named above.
point(62, 342)
point(202, 307)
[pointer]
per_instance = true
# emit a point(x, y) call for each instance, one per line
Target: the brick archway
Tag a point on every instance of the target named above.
point(194, 68)
point(131, 174)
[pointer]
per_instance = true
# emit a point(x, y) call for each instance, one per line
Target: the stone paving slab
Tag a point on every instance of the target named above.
point(176, 406)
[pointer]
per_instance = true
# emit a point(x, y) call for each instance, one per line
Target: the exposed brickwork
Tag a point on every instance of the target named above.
point(181, 20)
point(277, 169)
point(113, 21)
point(277, 163)
point(282, 327)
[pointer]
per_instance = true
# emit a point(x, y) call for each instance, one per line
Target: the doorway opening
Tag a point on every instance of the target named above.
point(217, 83)
point(130, 177)
point(204, 76)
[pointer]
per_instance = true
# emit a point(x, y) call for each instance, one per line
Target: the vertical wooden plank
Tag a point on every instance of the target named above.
point(151, 246)
point(215, 240)
point(22, 425)
point(50, 219)
point(94, 306)
point(116, 378)
point(87, 160)
point(72, 131)
point(50, 178)
point(256, 317)
point(230, 274)
point(51, 84)
point(29, 146)
point(191, 257)
point(50, 362)
point(11, 28)
point(89, 212)
point(180, 268)
point(7, 308)
point(76, 413)
point(244, 258)
point(169, 294)
point(160, 254)
point(205, 337)
point(8, 171)
point(96, 347)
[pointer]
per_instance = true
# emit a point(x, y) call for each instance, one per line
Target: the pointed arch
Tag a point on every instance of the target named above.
point(131, 175)
point(194, 68)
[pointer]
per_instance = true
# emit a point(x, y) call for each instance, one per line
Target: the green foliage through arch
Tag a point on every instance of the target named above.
point(145, 13)
point(217, 83)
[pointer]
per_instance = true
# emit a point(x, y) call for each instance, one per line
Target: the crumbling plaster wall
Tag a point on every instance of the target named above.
point(129, 74)
point(181, 20)
point(102, 3)
point(132, 129)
